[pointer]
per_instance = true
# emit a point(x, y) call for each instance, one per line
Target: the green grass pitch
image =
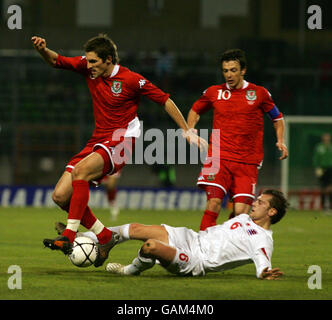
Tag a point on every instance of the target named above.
point(301, 239)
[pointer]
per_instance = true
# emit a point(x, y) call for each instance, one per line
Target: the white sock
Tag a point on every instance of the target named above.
point(97, 227)
point(142, 263)
point(73, 224)
point(139, 265)
point(131, 269)
point(124, 231)
point(115, 229)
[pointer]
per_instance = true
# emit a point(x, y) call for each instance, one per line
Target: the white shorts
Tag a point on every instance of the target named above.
point(187, 260)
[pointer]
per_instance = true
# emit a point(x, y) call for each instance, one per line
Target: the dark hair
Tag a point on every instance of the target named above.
point(103, 46)
point(278, 202)
point(235, 54)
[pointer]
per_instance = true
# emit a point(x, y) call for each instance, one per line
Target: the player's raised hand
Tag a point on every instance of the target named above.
point(283, 149)
point(48, 55)
point(39, 43)
point(272, 274)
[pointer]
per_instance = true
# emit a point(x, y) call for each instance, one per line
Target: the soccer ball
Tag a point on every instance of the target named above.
point(84, 252)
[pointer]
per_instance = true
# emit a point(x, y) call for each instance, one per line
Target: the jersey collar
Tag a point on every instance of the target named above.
point(115, 70)
point(245, 85)
point(268, 231)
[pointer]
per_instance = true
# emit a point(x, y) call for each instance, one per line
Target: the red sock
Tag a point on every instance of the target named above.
point(89, 219)
point(111, 195)
point(78, 204)
point(70, 234)
point(209, 219)
point(79, 200)
point(104, 236)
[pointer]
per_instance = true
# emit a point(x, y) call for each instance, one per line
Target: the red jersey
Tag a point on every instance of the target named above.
point(115, 98)
point(238, 114)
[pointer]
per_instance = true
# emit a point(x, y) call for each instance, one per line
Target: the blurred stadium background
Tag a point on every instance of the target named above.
point(46, 114)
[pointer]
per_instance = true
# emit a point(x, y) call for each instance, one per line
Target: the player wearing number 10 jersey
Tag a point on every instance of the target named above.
point(236, 143)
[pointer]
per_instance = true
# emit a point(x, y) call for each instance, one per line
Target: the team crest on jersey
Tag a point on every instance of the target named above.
point(251, 232)
point(211, 177)
point(116, 87)
point(251, 95)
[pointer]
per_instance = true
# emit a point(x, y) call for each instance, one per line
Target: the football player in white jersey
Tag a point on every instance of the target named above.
point(244, 239)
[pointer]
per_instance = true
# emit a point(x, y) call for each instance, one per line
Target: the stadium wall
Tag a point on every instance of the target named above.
point(127, 198)
point(140, 198)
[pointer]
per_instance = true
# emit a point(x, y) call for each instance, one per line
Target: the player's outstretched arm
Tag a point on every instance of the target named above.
point(175, 114)
point(272, 274)
point(48, 55)
point(279, 127)
point(192, 118)
point(189, 134)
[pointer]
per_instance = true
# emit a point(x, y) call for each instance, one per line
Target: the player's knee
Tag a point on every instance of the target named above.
point(60, 198)
point(214, 205)
point(78, 173)
point(240, 208)
point(135, 228)
point(85, 172)
point(149, 247)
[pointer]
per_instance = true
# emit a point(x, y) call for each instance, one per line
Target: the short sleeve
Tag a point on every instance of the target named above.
point(267, 103)
point(77, 64)
point(262, 260)
point(147, 88)
point(203, 104)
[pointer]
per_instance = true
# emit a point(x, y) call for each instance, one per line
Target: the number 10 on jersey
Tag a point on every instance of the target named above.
point(225, 94)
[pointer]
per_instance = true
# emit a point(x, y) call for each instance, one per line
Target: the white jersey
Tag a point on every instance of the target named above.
point(236, 242)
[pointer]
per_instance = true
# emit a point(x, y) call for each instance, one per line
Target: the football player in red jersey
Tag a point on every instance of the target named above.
point(236, 144)
point(115, 92)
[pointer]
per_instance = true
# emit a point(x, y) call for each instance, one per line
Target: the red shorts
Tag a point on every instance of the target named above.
point(235, 178)
point(115, 154)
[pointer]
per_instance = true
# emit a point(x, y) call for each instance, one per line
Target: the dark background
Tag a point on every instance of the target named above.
point(46, 114)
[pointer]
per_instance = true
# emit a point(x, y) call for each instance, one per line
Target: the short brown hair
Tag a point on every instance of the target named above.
point(103, 46)
point(236, 55)
point(278, 202)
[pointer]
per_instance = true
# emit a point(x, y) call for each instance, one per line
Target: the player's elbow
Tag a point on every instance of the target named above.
point(51, 58)
point(149, 247)
point(52, 62)
point(192, 118)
